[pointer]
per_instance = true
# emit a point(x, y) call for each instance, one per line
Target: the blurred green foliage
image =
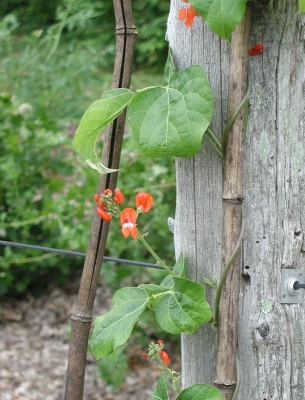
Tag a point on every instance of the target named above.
point(96, 18)
point(46, 191)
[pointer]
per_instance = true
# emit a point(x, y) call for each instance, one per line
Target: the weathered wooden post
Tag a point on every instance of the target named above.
point(270, 334)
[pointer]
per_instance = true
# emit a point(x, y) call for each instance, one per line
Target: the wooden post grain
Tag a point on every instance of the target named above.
point(126, 36)
point(232, 206)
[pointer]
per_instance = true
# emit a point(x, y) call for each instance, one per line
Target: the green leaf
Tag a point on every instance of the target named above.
point(155, 293)
point(211, 281)
point(221, 16)
point(301, 5)
point(171, 120)
point(114, 328)
point(161, 393)
point(170, 69)
point(178, 270)
point(200, 391)
point(99, 115)
point(185, 309)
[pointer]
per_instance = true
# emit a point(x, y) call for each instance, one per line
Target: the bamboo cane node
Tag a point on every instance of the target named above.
point(238, 200)
point(225, 385)
point(81, 318)
point(126, 31)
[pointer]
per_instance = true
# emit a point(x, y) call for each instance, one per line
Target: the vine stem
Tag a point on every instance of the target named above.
point(232, 119)
point(215, 147)
point(227, 267)
point(156, 257)
point(210, 132)
point(176, 386)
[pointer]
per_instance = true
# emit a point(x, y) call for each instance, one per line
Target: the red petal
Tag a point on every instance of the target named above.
point(144, 200)
point(134, 232)
point(189, 21)
point(258, 47)
point(182, 14)
point(119, 195)
point(102, 213)
point(125, 232)
point(128, 214)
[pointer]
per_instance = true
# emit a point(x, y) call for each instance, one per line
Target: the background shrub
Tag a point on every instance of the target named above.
point(46, 191)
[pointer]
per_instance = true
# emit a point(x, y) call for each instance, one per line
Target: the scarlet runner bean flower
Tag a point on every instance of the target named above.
point(103, 214)
point(119, 197)
point(128, 220)
point(144, 202)
point(164, 356)
point(187, 15)
point(256, 50)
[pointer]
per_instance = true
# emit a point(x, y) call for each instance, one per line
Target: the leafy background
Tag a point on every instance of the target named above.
point(46, 191)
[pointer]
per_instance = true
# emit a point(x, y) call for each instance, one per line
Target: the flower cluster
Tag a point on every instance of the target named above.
point(108, 204)
point(108, 207)
point(256, 50)
point(156, 351)
point(187, 15)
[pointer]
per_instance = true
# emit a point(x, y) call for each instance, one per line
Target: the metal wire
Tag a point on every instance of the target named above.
point(77, 254)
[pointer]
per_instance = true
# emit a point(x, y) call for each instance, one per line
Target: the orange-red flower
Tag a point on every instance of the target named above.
point(187, 15)
point(119, 197)
point(144, 201)
point(164, 356)
point(128, 219)
point(103, 214)
point(256, 50)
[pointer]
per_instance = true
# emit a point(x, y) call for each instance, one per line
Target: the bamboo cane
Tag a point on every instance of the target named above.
point(232, 213)
point(81, 318)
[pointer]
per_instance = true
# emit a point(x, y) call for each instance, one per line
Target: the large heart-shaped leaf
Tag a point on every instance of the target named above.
point(114, 328)
point(171, 120)
point(100, 114)
point(200, 391)
point(161, 393)
point(221, 16)
point(185, 309)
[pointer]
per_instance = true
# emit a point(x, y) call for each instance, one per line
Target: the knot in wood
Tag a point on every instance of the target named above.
point(263, 329)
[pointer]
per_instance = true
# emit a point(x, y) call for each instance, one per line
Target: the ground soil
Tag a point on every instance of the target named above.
point(34, 346)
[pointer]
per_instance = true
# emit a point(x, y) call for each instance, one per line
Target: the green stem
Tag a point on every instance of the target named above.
point(227, 267)
point(218, 151)
point(238, 374)
point(232, 119)
point(174, 379)
point(156, 257)
point(214, 138)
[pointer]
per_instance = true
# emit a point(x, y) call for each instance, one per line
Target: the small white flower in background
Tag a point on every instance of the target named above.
point(24, 109)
